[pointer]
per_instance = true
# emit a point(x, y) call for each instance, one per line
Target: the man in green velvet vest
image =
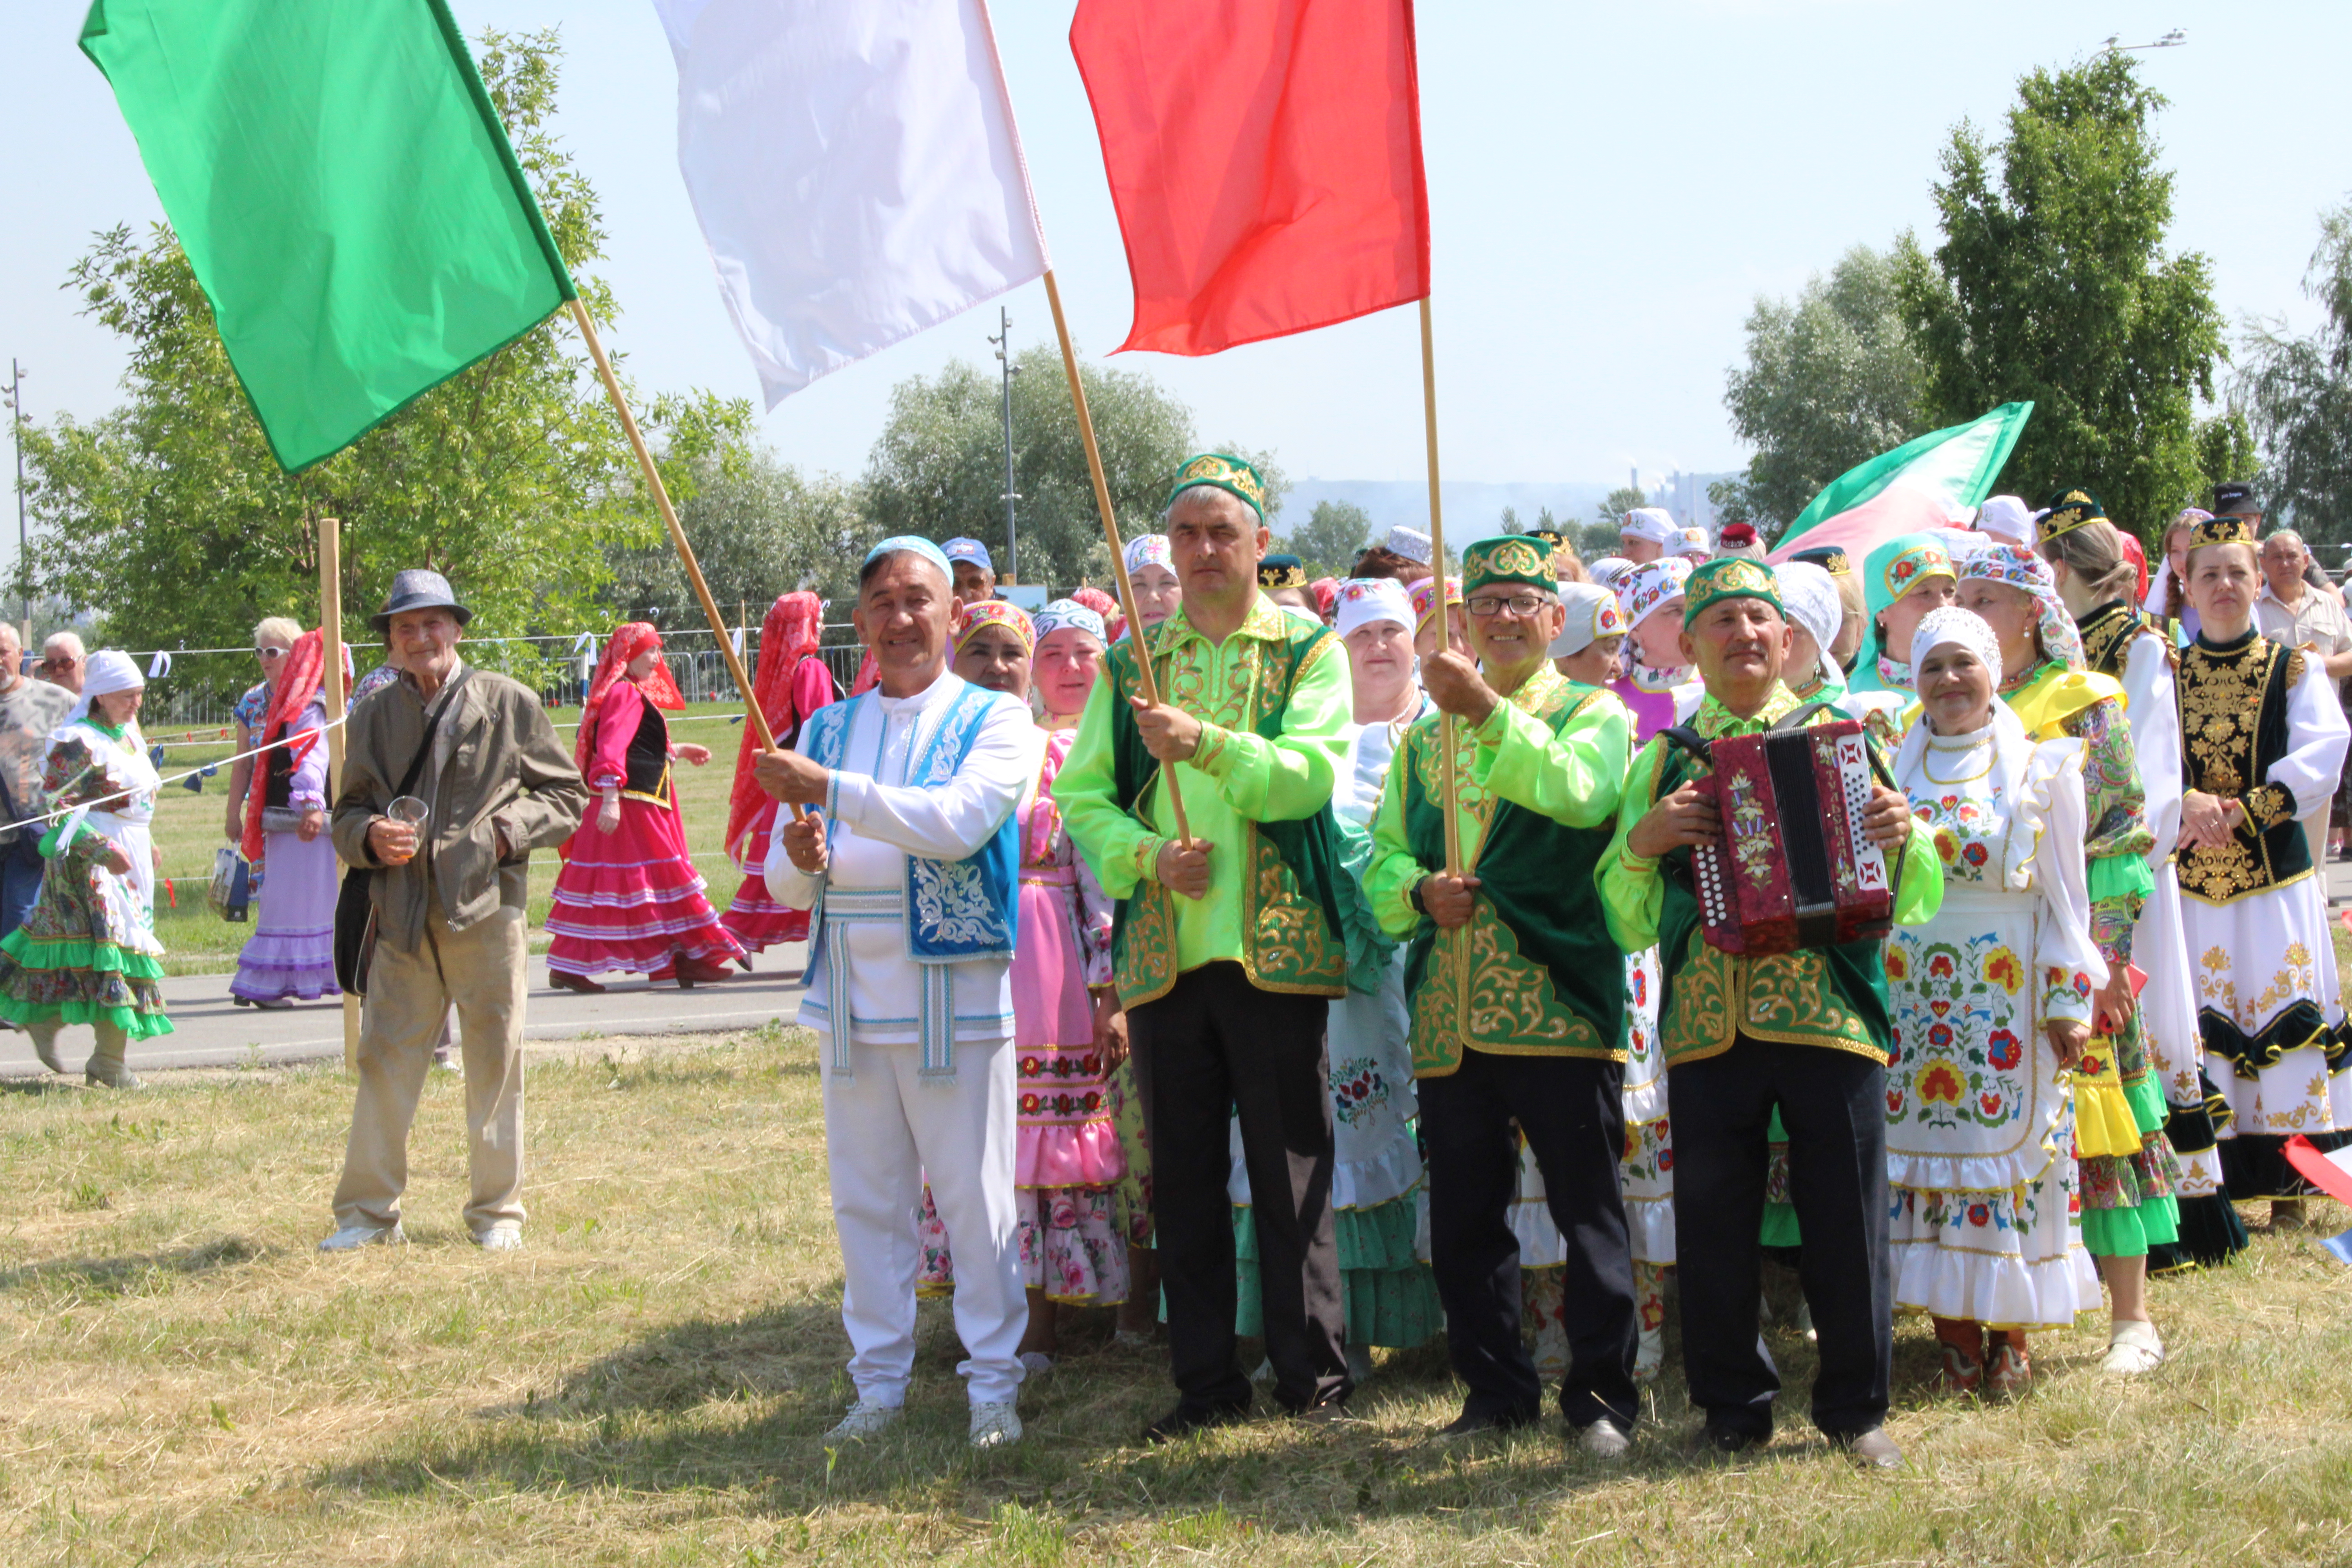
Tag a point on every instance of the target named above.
point(1228, 944)
point(1517, 992)
point(1806, 1031)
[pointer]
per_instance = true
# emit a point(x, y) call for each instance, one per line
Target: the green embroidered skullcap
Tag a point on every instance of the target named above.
point(1226, 472)
point(1727, 577)
point(1507, 557)
point(1282, 571)
point(2069, 510)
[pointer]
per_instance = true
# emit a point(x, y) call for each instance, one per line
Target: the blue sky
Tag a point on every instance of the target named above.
point(1611, 188)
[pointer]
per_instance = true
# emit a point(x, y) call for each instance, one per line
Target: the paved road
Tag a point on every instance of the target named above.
point(211, 1031)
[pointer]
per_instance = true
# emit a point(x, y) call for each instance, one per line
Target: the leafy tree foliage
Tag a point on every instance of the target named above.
point(938, 467)
point(1831, 380)
point(171, 516)
point(2297, 392)
point(1610, 512)
point(1328, 541)
point(2053, 283)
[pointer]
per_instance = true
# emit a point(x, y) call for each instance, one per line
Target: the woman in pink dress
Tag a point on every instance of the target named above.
point(790, 683)
point(628, 897)
point(1068, 1163)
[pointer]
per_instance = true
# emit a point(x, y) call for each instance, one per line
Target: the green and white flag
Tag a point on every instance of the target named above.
point(344, 193)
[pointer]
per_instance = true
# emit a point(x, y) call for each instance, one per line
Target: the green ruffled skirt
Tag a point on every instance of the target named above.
point(1387, 1294)
point(76, 980)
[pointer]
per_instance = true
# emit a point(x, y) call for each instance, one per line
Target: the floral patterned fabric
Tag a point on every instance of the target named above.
point(1645, 1171)
point(1980, 1166)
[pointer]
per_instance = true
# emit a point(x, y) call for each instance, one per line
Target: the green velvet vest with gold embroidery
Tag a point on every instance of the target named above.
point(1535, 973)
point(1830, 996)
point(1290, 912)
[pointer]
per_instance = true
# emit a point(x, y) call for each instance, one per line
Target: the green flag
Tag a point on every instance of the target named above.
point(343, 191)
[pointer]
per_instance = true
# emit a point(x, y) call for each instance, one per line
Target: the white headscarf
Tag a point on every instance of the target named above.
point(1951, 624)
point(1361, 601)
point(2008, 520)
point(1592, 612)
point(108, 670)
point(1609, 570)
point(1809, 596)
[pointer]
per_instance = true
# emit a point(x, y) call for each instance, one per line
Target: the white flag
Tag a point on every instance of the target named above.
point(856, 170)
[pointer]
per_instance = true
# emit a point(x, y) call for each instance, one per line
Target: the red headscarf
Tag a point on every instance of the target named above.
point(1103, 604)
point(2137, 556)
point(794, 625)
point(1327, 594)
point(629, 639)
point(298, 688)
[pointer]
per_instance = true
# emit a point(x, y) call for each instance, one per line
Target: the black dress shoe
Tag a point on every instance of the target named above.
point(1470, 1422)
point(1728, 1440)
point(1188, 1418)
point(1872, 1450)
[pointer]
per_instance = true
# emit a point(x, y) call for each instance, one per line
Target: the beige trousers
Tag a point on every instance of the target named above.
point(480, 971)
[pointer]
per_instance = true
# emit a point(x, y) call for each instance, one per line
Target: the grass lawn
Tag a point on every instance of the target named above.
point(184, 1380)
point(188, 829)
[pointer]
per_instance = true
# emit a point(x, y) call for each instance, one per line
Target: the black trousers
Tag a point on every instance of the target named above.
point(1217, 1044)
point(1833, 1105)
point(1572, 1111)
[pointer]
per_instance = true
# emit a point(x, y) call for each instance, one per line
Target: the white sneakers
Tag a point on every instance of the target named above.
point(867, 1419)
point(2132, 1349)
point(995, 1425)
point(500, 1238)
point(351, 1238)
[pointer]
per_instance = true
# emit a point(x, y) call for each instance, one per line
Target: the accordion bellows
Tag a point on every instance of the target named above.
point(1793, 868)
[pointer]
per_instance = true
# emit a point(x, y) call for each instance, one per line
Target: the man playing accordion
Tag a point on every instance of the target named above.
point(1805, 1030)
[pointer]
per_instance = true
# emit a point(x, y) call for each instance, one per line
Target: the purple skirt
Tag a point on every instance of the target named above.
point(292, 950)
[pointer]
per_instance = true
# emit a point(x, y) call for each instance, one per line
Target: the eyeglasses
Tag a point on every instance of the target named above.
point(1519, 604)
point(271, 652)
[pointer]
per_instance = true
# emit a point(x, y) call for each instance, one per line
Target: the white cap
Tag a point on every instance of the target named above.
point(1364, 600)
point(1809, 596)
point(1609, 570)
point(1651, 523)
point(2007, 517)
point(1409, 542)
point(1696, 544)
point(1592, 612)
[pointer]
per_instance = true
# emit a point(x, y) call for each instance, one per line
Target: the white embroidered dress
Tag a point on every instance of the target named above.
point(1980, 1136)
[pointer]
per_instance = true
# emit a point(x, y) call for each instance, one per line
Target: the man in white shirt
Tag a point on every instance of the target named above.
point(909, 859)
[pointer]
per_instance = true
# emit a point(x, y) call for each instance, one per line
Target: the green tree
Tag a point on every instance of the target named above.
point(170, 517)
point(2053, 283)
point(2297, 392)
point(1328, 541)
point(1614, 507)
point(759, 526)
point(938, 467)
point(1831, 379)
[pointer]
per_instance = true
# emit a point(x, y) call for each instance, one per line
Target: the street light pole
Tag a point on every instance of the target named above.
point(1003, 343)
point(2171, 40)
point(16, 431)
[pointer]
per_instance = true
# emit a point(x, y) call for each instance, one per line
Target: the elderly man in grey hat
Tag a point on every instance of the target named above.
point(475, 752)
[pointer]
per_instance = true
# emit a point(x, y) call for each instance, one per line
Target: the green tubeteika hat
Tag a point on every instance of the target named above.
point(1226, 472)
point(1727, 577)
point(2068, 511)
point(1281, 572)
point(1507, 557)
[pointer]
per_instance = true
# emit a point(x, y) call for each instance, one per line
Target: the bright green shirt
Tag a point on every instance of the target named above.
point(1633, 890)
point(1573, 777)
point(1236, 777)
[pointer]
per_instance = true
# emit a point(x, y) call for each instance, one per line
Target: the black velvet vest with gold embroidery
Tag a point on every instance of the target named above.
point(2233, 725)
point(2108, 632)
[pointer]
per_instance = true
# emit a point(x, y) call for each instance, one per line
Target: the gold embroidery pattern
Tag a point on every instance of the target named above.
point(1285, 946)
point(1700, 1021)
point(2221, 696)
point(1482, 992)
point(1147, 947)
point(1789, 998)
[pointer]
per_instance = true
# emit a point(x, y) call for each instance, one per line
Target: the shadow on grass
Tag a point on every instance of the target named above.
point(740, 1408)
point(116, 1276)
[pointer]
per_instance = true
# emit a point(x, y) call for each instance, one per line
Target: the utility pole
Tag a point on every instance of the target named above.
point(1003, 343)
point(16, 430)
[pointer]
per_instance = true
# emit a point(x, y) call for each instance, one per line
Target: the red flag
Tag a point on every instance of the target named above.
point(1265, 156)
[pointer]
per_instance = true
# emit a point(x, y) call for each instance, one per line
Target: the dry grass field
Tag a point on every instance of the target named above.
point(184, 1380)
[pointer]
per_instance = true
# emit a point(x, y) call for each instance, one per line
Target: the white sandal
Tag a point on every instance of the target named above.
point(2133, 1348)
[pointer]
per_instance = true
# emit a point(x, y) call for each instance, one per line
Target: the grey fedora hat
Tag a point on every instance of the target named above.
point(418, 589)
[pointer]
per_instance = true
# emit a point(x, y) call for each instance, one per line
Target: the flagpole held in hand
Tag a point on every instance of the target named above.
point(1144, 674)
point(758, 719)
point(1437, 597)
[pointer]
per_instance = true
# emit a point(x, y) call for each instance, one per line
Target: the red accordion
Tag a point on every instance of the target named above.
point(1793, 868)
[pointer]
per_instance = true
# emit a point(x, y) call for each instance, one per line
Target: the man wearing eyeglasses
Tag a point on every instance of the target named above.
point(63, 660)
point(29, 710)
point(1516, 992)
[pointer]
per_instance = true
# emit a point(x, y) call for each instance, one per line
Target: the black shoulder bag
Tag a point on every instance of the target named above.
point(356, 903)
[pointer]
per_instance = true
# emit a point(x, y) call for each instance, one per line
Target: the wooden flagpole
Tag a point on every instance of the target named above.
point(759, 721)
point(1437, 596)
point(330, 632)
point(1144, 674)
